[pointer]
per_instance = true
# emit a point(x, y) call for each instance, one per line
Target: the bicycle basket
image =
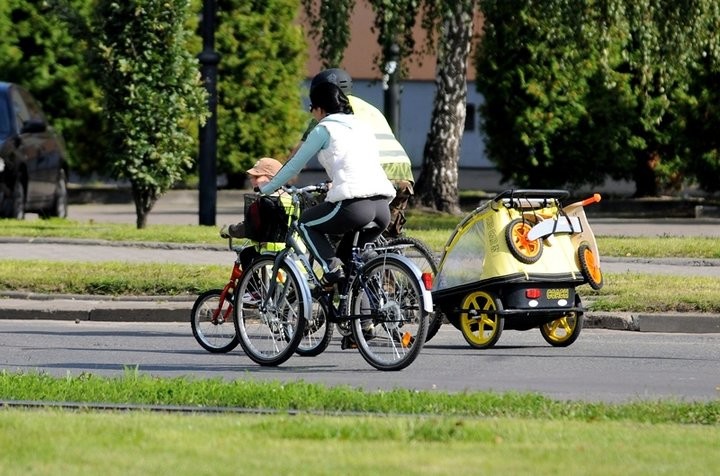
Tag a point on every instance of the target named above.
point(266, 219)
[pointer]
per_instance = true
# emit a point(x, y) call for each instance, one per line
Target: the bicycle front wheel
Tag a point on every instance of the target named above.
point(418, 252)
point(269, 326)
point(389, 322)
point(211, 321)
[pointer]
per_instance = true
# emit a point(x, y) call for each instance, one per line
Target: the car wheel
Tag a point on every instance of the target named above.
point(17, 209)
point(59, 206)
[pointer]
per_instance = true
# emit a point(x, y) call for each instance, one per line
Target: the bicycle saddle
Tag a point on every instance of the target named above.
point(369, 226)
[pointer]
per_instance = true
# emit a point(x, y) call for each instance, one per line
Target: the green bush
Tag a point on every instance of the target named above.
point(152, 92)
point(581, 90)
point(261, 69)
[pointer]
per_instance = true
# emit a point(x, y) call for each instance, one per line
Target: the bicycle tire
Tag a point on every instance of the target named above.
point(217, 336)
point(318, 332)
point(391, 296)
point(419, 253)
point(270, 334)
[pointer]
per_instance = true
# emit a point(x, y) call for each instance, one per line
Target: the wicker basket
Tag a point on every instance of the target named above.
point(266, 218)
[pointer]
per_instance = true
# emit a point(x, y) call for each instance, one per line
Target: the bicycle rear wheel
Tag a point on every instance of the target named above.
point(427, 262)
point(211, 321)
point(269, 327)
point(390, 295)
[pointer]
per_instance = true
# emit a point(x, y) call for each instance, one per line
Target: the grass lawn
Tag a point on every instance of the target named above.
point(59, 442)
point(319, 430)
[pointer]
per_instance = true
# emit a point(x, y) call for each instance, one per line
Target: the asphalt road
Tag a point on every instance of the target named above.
point(603, 365)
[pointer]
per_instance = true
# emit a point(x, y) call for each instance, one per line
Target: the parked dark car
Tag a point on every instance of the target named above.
point(33, 167)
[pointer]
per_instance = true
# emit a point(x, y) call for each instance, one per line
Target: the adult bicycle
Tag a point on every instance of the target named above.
point(383, 304)
point(413, 249)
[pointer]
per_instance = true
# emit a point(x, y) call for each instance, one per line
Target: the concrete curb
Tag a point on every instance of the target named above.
point(693, 323)
point(106, 310)
point(177, 309)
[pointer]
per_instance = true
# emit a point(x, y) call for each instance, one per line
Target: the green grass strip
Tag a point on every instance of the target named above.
point(632, 292)
point(136, 388)
point(432, 228)
point(111, 278)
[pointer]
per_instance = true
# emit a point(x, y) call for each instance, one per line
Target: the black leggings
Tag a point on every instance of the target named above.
point(342, 218)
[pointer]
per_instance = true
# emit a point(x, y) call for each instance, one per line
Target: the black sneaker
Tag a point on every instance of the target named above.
point(348, 342)
point(332, 277)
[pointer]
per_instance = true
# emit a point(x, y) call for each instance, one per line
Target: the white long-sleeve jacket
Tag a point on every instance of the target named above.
point(347, 150)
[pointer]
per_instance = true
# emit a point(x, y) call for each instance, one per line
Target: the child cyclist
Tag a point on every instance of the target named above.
point(260, 174)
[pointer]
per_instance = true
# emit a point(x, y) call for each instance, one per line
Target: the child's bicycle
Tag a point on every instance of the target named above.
point(383, 304)
point(212, 314)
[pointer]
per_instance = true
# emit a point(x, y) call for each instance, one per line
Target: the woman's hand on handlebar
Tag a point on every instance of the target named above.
point(320, 187)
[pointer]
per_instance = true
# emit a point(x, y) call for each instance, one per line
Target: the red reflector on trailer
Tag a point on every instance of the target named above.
point(427, 280)
point(532, 293)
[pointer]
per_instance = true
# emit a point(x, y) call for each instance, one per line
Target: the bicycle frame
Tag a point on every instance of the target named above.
point(229, 290)
point(293, 252)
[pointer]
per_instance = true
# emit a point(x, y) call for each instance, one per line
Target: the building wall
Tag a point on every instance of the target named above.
point(417, 90)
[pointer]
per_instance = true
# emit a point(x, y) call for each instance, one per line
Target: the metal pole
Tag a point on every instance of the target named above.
point(207, 159)
point(392, 87)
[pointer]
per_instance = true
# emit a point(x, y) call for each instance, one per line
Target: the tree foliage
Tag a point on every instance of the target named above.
point(700, 107)
point(393, 24)
point(152, 93)
point(39, 51)
point(262, 66)
point(579, 90)
point(329, 24)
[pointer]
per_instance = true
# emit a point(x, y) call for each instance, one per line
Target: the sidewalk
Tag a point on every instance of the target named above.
point(15, 305)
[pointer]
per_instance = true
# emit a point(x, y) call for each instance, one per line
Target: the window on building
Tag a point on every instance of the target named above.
point(470, 117)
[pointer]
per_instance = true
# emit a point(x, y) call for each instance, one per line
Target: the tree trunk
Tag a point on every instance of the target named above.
point(145, 198)
point(437, 186)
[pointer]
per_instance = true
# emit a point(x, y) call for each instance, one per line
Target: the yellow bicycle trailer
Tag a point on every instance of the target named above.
point(514, 263)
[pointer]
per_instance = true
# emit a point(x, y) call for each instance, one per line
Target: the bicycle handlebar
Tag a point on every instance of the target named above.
point(293, 190)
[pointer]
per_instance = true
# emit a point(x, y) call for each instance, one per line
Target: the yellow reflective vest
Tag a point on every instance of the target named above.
point(393, 158)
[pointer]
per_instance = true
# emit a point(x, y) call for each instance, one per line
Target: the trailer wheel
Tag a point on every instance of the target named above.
point(524, 250)
point(564, 331)
point(589, 266)
point(480, 323)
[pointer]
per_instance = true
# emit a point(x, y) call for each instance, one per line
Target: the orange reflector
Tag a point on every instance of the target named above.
point(406, 339)
point(533, 293)
point(427, 280)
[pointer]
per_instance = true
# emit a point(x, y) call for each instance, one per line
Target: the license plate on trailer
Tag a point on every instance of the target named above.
point(538, 297)
point(555, 294)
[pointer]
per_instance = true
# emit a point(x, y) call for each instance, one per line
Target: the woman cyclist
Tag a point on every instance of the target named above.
point(360, 193)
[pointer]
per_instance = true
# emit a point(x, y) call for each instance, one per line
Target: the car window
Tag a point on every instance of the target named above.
point(33, 108)
point(21, 111)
